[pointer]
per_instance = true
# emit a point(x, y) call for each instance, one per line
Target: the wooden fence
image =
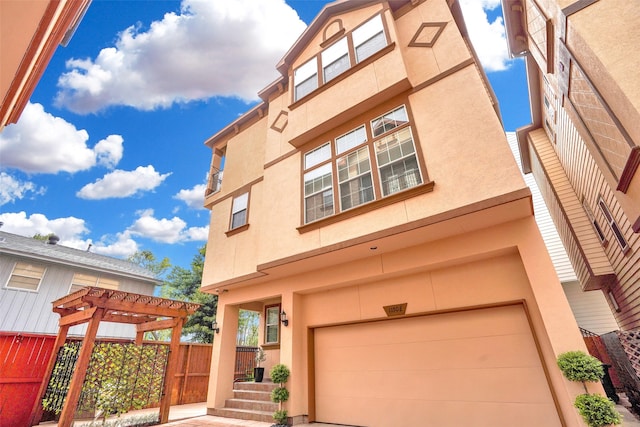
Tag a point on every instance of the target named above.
point(23, 361)
point(24, 358)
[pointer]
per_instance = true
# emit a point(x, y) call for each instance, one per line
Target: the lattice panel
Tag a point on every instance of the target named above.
point(630, 340)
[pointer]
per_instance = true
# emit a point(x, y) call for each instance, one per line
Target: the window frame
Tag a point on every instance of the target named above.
point(27, 265)
point(375, 168)
point(81, 280)
point(267, 324)
point(613, 225)
point(244, 209)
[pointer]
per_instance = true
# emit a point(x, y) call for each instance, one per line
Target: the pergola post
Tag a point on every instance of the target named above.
point(80, 371)
point(169, 374)
point(36, 412)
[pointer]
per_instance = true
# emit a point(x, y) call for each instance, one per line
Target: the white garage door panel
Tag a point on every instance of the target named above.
point(377, 374)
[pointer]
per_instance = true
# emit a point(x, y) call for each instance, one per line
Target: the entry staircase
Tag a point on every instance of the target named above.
point(251, 401)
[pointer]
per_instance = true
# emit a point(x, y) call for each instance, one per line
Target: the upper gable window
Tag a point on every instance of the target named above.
point(305, 78)
point(365, 41)
point(335, 59)
point(26, 277)
point(369, 38)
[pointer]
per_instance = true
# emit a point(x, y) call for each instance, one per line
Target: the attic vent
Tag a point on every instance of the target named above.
point(53, 239)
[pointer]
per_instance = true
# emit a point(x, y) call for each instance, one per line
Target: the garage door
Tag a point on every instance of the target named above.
point(471, 368)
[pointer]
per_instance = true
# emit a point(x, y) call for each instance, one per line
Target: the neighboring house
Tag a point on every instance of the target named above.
point(583, 143)
point(34, 273)
point(590, 308)
point(30, 32)
point(373, 214)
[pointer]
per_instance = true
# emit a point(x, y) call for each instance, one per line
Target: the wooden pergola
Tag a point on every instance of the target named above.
point(94, 305)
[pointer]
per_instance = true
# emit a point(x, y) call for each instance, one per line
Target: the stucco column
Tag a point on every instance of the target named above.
point(223, 357)
point(293, 353)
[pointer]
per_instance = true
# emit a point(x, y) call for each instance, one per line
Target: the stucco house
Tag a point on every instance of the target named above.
point(372, 212)
point(33, 273)
point(583, 145)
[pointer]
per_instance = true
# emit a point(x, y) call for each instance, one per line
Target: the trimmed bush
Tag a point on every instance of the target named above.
point(579, 366)
point(279, 394)
point(279, 374)
point(280, 417)
point(597, 410)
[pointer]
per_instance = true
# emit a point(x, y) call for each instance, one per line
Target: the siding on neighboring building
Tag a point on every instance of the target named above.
point(583, 145)
point(31, 311)
point(590, 308)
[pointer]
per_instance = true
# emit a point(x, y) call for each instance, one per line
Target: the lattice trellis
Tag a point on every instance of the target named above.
point(630, 340)
point(120, 377)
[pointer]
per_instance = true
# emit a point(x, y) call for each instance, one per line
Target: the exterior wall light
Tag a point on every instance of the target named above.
point(214, 327)
point(283, 319)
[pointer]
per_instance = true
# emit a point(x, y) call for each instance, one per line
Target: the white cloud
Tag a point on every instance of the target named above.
point(43, 143)
point(12, 189)
point(120, 184)
point(69, 229)
point(71, 232)
point(488, 38)
point(120, 247)
point(211, 48)
point(109, 151)
point(164, 230)
point(193, 197)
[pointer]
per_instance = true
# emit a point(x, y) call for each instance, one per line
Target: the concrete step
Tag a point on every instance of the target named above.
point(253, 405)
point(253, 386)
point(261, 396)
point(242, 414)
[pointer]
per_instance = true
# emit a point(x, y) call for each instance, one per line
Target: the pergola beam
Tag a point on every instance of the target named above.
point(77, 317)
point(157, 325)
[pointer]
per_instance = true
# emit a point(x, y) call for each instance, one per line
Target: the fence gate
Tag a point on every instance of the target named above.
point(23, 360)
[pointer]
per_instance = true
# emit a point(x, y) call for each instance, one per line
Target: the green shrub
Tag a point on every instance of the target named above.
point(597, 410)
point(279, 394)
point(579, 366)
point(280, 416)
point(279, 374)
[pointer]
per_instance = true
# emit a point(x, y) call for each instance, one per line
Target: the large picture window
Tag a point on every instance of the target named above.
point(365, 164)
point(365, 41)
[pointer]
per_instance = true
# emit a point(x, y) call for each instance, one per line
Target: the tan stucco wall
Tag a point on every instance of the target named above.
point(498, 264)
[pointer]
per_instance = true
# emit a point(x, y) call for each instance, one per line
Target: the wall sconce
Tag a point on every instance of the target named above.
point(283, 319)
point(214, 327)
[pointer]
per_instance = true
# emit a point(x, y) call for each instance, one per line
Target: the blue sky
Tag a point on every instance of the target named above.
point(110, 149)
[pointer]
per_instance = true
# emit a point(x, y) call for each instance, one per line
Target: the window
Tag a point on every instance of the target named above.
point(335, 59)
point(305, 78)
point(369, 38)
point(594, 223)
point(365, 41)
point(397, 162)
point(362, 169)
point(354, 176)
point(272, 324)
point(80, 281)
point(613, 225)
point(239, 211)
point(26, 276)
point(318, 193)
